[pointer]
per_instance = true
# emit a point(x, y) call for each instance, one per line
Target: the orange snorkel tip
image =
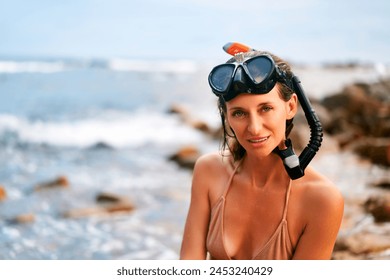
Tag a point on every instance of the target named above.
point(234, 48)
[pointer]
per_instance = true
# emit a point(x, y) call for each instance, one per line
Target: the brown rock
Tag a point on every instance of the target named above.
point(185, 116)
point(383, 184)
point(23, 219)
point(361, 108)
point(111, 203)
point(3, 193)
point(115, 203)
point(366, 243)
point(201, 126)
point(186, 156)
point(374, 149)
point(379, 207)
point(105, 197)
point(60, 181)
point(120, 207)
point(178, 109)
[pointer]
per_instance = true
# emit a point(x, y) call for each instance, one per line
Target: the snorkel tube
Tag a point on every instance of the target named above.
point(294, 165)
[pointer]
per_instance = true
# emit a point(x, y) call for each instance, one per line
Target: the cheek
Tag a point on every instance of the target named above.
point(277, 124)
point(235, 125)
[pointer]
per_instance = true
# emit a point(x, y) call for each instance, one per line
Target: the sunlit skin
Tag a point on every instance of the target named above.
point(258, 120)
point(255, 201)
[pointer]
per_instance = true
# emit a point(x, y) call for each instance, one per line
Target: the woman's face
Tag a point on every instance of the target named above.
point(259, 120)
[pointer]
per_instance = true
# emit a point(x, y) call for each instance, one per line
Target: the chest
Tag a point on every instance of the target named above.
point(251, 219)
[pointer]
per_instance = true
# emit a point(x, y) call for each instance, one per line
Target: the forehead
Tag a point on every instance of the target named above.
point(245, 99)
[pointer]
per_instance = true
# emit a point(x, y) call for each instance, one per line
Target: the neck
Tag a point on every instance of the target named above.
point(263, 170)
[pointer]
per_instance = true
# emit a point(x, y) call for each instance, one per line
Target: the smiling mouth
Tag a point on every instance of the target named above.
point(258, 140)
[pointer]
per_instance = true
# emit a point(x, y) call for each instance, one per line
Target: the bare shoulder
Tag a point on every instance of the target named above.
point(318, 215)
point(211, 174)
point(213, 163)
point(319, 194)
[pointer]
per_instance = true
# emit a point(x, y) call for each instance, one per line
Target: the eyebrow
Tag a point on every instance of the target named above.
point(258, 105)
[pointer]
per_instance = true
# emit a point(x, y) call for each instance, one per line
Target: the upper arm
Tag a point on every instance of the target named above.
point(324, 211)
point(196, 227)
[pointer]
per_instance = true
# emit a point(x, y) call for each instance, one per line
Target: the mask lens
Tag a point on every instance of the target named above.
point(221, 77)
point(259, 68)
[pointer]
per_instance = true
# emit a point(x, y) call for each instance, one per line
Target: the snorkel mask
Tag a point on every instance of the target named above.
point(258, 75)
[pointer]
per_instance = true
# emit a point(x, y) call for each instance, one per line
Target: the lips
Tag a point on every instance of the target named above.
point(258, 139)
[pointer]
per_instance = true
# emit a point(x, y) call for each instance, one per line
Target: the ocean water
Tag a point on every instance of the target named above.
point(104, 124)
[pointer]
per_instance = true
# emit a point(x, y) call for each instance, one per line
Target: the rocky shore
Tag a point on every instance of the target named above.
point(359, 120)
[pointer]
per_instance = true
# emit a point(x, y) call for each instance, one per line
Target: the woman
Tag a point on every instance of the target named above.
point(243, 203)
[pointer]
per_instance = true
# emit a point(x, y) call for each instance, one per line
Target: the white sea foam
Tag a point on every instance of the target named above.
point(117, 130)
point(31, 66)
point(116, 64)
point(164, 66)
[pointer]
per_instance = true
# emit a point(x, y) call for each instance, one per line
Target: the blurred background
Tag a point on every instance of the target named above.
point(104, 106)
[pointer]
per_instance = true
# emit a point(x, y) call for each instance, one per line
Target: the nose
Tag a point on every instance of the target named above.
point(255, 124)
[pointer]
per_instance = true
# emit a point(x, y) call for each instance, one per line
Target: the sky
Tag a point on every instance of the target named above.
point(304, 31)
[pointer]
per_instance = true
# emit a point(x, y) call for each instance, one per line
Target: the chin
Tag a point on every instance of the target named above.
point(261, 153)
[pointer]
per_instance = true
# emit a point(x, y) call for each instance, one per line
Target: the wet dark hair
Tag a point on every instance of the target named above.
point(229, 140)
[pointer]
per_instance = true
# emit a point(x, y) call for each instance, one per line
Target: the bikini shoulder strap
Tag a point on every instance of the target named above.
point(231, 178)
point(287, 200)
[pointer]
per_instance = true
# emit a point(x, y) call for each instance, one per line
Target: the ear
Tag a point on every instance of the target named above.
point(292, 106)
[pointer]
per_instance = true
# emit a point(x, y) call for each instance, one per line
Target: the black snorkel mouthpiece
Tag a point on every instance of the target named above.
point(294, 165)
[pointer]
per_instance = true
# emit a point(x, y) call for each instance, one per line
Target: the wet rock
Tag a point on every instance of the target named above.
point(120, 207)
point(362, 108)
point(22, 219)
point(363, 243)
point(186, 157)
point(105, 197)
point(59, 182)
point(109, 203)
point(376, 150)
point(360, 120)
point(201, 126)
point(3, 193)
point(114, 202)
point(378, 207)
point(178, 109)
point(101, 146)
point(383, 184)
point(186, 117)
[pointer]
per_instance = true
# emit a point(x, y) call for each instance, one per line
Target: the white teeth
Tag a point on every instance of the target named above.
point(258, 140)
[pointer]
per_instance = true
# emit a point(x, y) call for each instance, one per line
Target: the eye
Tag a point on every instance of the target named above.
point(238, 114)
point(266, 108)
